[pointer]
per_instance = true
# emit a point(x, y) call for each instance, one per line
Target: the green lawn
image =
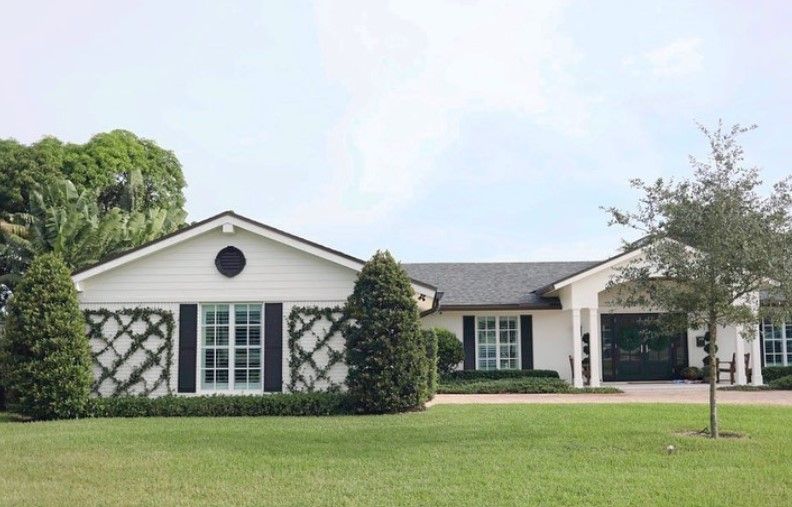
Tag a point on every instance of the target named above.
point(449, 455)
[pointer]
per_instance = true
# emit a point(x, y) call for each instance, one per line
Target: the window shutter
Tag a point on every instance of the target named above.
point(188, 337)
point(526, 341)
point(469, 341)
point(273, 347)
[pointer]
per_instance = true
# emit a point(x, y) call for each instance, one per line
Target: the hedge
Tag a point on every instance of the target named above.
point(525, 385)
point(783, 383)
point(771, 373)
point(465, 375)
point(294, 404)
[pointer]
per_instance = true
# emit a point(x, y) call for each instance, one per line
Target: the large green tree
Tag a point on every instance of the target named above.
point(712, 245)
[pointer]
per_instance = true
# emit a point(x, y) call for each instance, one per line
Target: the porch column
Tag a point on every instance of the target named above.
point(595, 348)
point(756, 358)
point(577, 350)
point(739, 351)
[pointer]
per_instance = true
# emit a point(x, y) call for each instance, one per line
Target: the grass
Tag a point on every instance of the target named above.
point(526, 385)
point(449, 455)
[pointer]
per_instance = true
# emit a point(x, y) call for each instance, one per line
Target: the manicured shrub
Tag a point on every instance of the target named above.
point(524, 385)
point(385, 350)
point(295, 404)
point(783, 383)
point(690, 373)
point(430, 344)
point(449, 351)
point(771, 373)
point(46, 358)
point(463, 375)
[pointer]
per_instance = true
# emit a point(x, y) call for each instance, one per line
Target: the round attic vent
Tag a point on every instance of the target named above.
point(230, 261)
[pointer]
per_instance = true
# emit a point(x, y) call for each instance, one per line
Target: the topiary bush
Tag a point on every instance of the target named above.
point(45, 356)
point(782, 383)
point(690, 373)
point(771, 373)
point(386, 355)
point(449, 351)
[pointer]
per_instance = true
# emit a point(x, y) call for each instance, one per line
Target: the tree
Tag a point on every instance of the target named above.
point(386, 352)
point(711, 245)
point(44, 354)
point(449, 351)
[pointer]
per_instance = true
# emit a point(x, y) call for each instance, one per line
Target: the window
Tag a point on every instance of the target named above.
point(226, 364)
point(777, 339)
point(497, 343)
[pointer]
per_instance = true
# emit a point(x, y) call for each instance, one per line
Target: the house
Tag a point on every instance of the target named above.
point(231, 305)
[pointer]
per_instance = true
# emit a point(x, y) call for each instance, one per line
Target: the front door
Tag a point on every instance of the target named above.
point(633, 350)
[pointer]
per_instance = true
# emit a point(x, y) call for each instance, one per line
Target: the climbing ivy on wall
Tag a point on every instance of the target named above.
point(302, 320)
point(158, 323)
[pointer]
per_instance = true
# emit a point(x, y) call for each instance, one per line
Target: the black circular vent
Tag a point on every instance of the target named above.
point(230, 261)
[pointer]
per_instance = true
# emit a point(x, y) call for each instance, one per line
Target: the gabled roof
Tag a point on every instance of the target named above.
point(234, 219)
point(498, 285)
point(553, 286)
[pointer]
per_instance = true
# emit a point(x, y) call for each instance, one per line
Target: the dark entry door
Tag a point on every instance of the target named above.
point(633, 349)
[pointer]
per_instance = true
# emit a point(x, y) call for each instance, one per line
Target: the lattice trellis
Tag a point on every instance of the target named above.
point(158, 323)
point(302, 321)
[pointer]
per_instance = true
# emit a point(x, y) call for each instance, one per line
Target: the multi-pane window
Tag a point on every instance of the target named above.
point(777, 339)
point(231, 364)
point(497, 343)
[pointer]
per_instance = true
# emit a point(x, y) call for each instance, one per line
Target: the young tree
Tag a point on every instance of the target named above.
point(44, 354)
point(711, 245)
point(386, 351)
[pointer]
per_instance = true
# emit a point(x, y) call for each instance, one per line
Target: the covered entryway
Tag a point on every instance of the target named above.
point(634, 349)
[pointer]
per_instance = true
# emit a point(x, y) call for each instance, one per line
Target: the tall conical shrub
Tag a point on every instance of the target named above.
point(386, 353)
point(45, 355)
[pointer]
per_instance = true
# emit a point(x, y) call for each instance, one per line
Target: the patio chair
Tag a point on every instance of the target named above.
point(748, 369)
point(729, 367)
point(586, 371)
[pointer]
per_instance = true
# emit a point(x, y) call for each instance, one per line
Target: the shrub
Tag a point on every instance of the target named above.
point(783, 383)
point(524, 385)
point(294, 404)
point(430, 344)
point(464, 375)
point(45, 353)
point(771, 373)
point(691, 373)
point(385, 351)
point(449, 351)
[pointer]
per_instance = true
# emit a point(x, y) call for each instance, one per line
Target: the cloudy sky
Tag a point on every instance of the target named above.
point(443, 131)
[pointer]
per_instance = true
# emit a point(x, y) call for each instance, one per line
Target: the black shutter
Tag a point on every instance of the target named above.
point(188, 336)
point(469, 341)
point(526, 341)
point(273, 347)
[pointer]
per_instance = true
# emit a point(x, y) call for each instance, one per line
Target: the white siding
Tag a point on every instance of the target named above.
point(186, 273)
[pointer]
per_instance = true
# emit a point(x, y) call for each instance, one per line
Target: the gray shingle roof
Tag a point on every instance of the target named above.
point(494, 284)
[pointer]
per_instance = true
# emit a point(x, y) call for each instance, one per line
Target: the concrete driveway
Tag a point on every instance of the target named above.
point(633, 393)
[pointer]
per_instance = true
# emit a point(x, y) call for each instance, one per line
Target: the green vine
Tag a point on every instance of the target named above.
point(162, 357)
point(302, 320)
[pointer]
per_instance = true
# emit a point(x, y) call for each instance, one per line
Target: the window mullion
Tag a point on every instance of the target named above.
point(232, 346)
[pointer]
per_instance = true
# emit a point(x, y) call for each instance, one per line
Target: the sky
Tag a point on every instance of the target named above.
point(442, 131)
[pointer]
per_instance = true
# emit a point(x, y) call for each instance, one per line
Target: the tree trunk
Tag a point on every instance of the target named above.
point(713, 371)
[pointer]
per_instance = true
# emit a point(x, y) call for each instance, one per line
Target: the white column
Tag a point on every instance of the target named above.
point(756, 358)
point(739, 356)
point(595, 347)
point(577, 350)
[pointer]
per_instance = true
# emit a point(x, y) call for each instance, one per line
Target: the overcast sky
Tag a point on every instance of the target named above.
point(443, 131)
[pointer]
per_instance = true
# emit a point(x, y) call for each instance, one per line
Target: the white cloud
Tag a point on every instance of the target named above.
point(681, 57)
point(413, 70)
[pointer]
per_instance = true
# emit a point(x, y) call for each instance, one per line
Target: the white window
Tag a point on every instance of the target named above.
point(231, 347)
point(497, 343)
point(777, 339)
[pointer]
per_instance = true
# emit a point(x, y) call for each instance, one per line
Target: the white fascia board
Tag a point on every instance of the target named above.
point(596, 269)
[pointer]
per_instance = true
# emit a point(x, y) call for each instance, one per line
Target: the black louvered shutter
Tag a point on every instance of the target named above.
point(469, 341)
point(273, 347)
point(188, 337)
point(526, 341)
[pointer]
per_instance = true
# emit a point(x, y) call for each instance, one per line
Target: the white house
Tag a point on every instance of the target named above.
point(224, 306)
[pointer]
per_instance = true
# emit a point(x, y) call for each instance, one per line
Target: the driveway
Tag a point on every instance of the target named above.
point(633, 393)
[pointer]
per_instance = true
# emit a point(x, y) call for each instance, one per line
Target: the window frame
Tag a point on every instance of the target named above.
point(232, 347)
point(498, 356)
point(784, 339)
